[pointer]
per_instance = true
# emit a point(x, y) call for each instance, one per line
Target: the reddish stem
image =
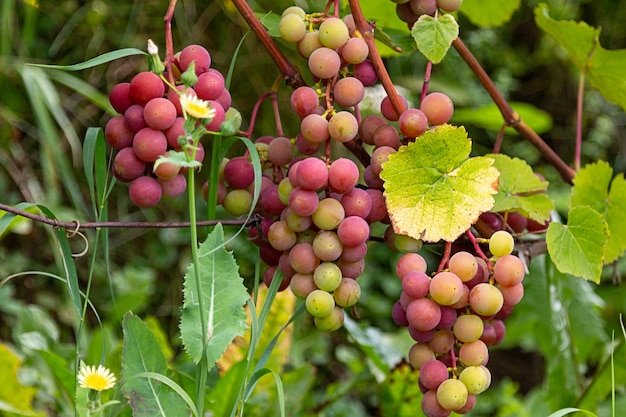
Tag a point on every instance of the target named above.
point(445, 257)
point(169, 43)
point(255, 110)
point(427, 72)
point(290, 73)
point(499, 138)
point(368, 35)
point(477, 248)
point(511, 118)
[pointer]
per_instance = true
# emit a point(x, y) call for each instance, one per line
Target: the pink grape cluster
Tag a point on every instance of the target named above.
point(150, 125)
point(454, 317)
point(410, 10)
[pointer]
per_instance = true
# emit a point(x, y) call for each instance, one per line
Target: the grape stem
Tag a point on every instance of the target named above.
point(445, 257)
point(477, 248)
point(511, 118)
point(427, 72)
point(292, 76)
point(255, 110)
point(169, 43)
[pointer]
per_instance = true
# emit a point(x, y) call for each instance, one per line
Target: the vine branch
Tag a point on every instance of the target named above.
point(511, 117)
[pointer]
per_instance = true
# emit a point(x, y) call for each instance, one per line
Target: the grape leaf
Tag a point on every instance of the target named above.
point(519, 189)
point(223, 295)
point(434, 35)
point(593, 187)
point(142, 354)
point(490, 117)
point(577, 248)
point(390, 32)
point(446, 190)
point(603, 68)
point(487, 13)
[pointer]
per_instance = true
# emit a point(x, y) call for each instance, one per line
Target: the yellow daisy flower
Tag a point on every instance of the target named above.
point(196, 108)
point(97, 379)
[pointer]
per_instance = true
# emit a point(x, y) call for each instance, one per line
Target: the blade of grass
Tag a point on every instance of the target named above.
point(93, 62)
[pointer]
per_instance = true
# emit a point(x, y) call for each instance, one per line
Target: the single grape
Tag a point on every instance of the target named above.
point(343, 175)
point(306, 147)
point(239, 172)
point(421, 7)
point(218, 118)
point(333, 33)
point(119, 97)
point(165, 170)
point(320, 303)
point(311, 174)
point(159, 113)
point(149, 144)
point(347, 293)
point(410, 262)
point(210, 85)
point(509, 270)
point(485, 299)
point(405, 13)
point(302, 285)
point(442, 341)
point(134, 117)
point(474, 353)
point(464, 265)
point(309, 43)
point(270, 274)
point(355, 51)
point(280, 151)
point(512, 295)
point(127, 166)
point(446, 288)
point(448, 317)
point(343, 126)
point(324, 63)
point(388, 110)
point(415, 284)
point(422, 336)
point(368, 126)
point(423, 314)
point(327, 276)
point(351, 269)
point(238, 202)
point(398, 315)
point(145, 191)
point(387, 135)
point(356, 202)
point(433, 373)
point(467, 328)
point(348, 91)
point(430, 404)
point(174, 132)
point(378, 213)
point(452, 394)
point(379, 157)
point(117, 133)
point(516, 221)
point(329, 214)
point(438, 108)
point(419, 354)
point(173, 187)
point(269, 203)
point(145, 86)
point(354, 253)
point(291, 27)
point(327, 246)
point(302, 258)
point(314, 128)
point(353, 231)
point(413, 123)
point(501, 243)
point(198, 54)
point(304, 101)
point(366, 73)
point(299, 11)
point(476, 379)
point(449, 5)
point(280, 236)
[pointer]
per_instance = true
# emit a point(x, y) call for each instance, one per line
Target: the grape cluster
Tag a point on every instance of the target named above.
point(454, 316)
point(410, 10)
point(151, 121)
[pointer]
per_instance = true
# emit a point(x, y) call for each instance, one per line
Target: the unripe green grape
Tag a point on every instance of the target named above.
point(501, 243)
point(467, 328)
point(343, 126)
point(237, 202)
point(284, 189)
point(327, 276)
point(333, 33)
point(298, 11)
point(327, 246)
point(406, 244)
point(347, 293)
point(449, 5)
point(476, 379)
point(329, 214)
point(292, 28)
point(320, 303)
point(309, 43)
point(331, 322)
point(485, 299)
point(452, 394)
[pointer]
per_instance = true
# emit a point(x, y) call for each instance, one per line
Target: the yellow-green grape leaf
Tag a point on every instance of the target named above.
point(14, 397)
point(434, 35)
point(593, 187)
point(434, 190)
point(488, 13)
point(520, 190)
point(577, 248)
point(603, 68)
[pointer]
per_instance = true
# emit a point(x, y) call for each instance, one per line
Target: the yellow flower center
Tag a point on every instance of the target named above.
point(196, 108)
point(97, 382)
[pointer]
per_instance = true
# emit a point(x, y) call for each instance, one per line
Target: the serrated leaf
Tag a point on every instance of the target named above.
point(398, 40)
point(490, 117)
point(603, 68)
point(14, 396)
point(434, 35)
point(401, 396)
point(176, 158)
point(593, 187)
point(223, 298)
point(577, 248)
point(519, 189)
point(488, 13)
point(433, 189)
point(142, 354)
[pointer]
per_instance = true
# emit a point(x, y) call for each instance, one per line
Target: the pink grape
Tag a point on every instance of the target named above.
point(304, 101)
point(159, 113)
point(324, 63)
point(145, 86)
point(210, 85)
point(343, 175)
point(415, 284)
point(198, 54)
point(387, 135)
point(421, 7)
point(512, 295)
point(353, 231)
point(173, 187)
point(134, 117)
point(348, 91)
point(347, 293)
point(280, 151)
point(166, 170)
point(306, 147)
point(474, 353)
point(398, 315)
point(438, 108)
point(446, 288)
point(368, 126)
point(302, 258)
point(388, 111)
point(355, 51)
point(379, 157)
point(149, 144)
point(509, 270)
point(485, 299)
point(442, 341)
point(433, 373)
point(220, 116)
point(327, 246)
point(410, 262)
point(366, 73)
point(314, 128)
point(413, 123)
point(379, 210)
point(464, 265)
point(174, 132)
point(343, 126)
point(419, 354)
point(351, 269)
point(431, 407)
point(127, 166)
point(302, 285)
point(423, 314)
point(356, 202)
point(354, 253)
point(312, 174)
point(145, 191)
point(119, 97)
point(117, 133)
point(239, 172)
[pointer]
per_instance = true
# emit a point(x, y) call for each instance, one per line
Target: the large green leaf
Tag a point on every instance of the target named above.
point(593, 187)
point(488, 13)
point(434, 190)
point(577, 248)
point(490, 117)
point(434, 35)
point(603, 68)
point(223, 298)
point(142, 354)
point(519, 189)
